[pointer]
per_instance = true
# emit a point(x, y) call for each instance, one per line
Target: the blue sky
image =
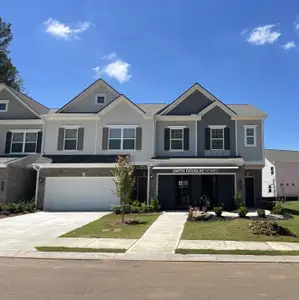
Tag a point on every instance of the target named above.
point(152, 51)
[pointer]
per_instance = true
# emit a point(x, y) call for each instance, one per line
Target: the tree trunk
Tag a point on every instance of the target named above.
point(123, 218)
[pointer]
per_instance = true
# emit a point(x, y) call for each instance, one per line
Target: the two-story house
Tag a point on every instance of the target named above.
point(194, 146)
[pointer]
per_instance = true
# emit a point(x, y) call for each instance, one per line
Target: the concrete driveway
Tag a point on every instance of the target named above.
point(27, 231)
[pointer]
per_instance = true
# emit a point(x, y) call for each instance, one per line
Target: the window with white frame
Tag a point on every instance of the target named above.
point(100, 98)
point(270, 188)
point(70, 138)
point(176, 139)
point(3, 105)
point(217, 137)
point(250, 135)
point(122, 138)
point(23, 142)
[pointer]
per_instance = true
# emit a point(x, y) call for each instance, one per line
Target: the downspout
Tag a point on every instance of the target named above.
point(37, 169)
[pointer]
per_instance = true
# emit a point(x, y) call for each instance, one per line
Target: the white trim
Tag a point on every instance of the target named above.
point(236, 137)
point(70, 139)
point(122, 126)
point(262, 134)
point(21, 122)
point(74, 165)
point(24, 132)
point(122, 138)
point(217, 126)
point(104, 95)
point(245, 135)
point(6, 106)
point(154, 138)
point(249, 118)
point(64, 116)
point(195, 137)
point(148, 184)
point(71, 126)
point(176, 127)
point(190, 91)
point(176, 139)
point(213, 105)
point(43, 138)
point(97, 123)
point(217, 139)
point(209, 167)
point(177, 118)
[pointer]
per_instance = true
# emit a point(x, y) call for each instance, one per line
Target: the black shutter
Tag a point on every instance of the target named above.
point(207, 139)
point(166, 139)
point(226, 138)
point(39, 142)
point(8, 142)
point(186, 139)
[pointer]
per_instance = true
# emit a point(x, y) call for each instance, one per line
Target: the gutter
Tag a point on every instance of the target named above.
point(37, 169)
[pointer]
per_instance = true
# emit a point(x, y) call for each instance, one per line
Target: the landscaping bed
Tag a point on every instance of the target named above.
point(16, 209)
point(110, 226)
point(239, 229)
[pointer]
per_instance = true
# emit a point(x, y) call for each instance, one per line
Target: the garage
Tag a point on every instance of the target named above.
point(79, 194)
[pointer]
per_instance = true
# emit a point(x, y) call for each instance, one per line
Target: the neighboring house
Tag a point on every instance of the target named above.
point(20, 142)
point(281, 174)
point(196, 145)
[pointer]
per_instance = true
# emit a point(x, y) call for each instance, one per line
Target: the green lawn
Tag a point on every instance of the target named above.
point(236, 252)
point(75, 249)
point(106, 227)
point(237, 230)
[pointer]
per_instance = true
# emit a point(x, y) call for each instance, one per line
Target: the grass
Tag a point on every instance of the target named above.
point(75, 249)
point(107, 227)
point(237, 229)
point(236, 252)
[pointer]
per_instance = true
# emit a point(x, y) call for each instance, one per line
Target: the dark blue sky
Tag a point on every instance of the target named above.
point(161, 48)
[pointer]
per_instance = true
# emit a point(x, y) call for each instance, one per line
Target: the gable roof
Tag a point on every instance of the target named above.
point(151, 108)
point(36, 107)
point(100, 80)
point(246, 110)
point(288, 156)
point(221, 105)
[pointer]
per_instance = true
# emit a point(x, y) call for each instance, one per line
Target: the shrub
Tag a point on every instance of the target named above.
point(144, 208)
point(270, 228)
point(12, 207)
point(277, 209)
point(238, 199)
point(121, 209)
point(268, 204)
point(155, 205)
point(242, 211)
point(261, 213)
point(218, 211)
point(30, 206)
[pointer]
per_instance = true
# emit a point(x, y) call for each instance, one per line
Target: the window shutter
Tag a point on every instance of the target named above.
point(207, 139)
point(138, 138)
point(166, 139)
point(105, 138)
point(8, 142)
point(80, 138)
point(60, 138)
point(39, 142)
point(186, 139)
point(226, 138)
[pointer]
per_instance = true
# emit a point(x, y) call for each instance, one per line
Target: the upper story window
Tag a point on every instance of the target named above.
point(23, 142)
point(250, 135)
point(217, 137)
point(70, 139)
point(272, 170)
point(122, 138)
point(100, 98)
point(176, 139)
point(3, 105)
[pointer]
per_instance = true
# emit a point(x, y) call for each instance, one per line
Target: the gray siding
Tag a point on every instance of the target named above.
point(86, 103)
point(250, 153)
point(5, 128)
point(193, 104)
point(161, 125)
point(216, 116)
point(16, 109)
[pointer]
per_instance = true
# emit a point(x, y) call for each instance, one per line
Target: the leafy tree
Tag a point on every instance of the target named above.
point(8, 72)
point(124, 182)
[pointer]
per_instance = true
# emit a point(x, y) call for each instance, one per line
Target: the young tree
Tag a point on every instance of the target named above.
point(124, 182)
point(8, 72)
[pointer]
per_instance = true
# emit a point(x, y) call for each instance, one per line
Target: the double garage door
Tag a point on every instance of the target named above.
point(79, 194)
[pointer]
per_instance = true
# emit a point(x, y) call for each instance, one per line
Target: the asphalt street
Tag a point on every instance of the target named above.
point(77, 279)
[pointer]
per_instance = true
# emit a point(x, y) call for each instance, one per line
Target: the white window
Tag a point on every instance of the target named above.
point(122, 138)
point(250, 135)
point(217, 137)
point(176, 139)
point(23, 142)
point(272, 170)
point(70, 139)
point(100, 98)
point(270, 188)
point(3, 105)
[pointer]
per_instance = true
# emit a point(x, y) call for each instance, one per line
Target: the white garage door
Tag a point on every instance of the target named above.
point(79, 193)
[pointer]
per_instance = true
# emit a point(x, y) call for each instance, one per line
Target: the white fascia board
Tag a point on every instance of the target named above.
point(21, 122)
point(213, 105)
point(64, 116)
point(205, 167)
point(73, 166)
point(249, 118)
point(178, 118)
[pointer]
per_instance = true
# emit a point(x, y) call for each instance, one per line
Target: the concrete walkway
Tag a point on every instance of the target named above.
point(236, 245)
point(163, 236)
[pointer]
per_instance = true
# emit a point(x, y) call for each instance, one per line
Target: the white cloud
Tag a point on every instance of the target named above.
point(262, 35)
point(289, 45)
point(296, 25)
point(116, 68)
point(63, 31)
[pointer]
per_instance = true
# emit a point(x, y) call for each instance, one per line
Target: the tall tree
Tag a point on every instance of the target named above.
point(8, 72)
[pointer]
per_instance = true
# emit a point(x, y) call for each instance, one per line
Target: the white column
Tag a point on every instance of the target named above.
point(148, 183)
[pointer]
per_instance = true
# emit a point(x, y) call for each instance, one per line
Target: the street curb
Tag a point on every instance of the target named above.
point(153, 257)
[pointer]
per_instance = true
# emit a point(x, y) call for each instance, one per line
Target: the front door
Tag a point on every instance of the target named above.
point(249, 191)
point(141, 189)
point(183, 188)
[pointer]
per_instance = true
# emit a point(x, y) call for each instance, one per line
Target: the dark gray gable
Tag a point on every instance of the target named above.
point(193, 104)
point(16, 109)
